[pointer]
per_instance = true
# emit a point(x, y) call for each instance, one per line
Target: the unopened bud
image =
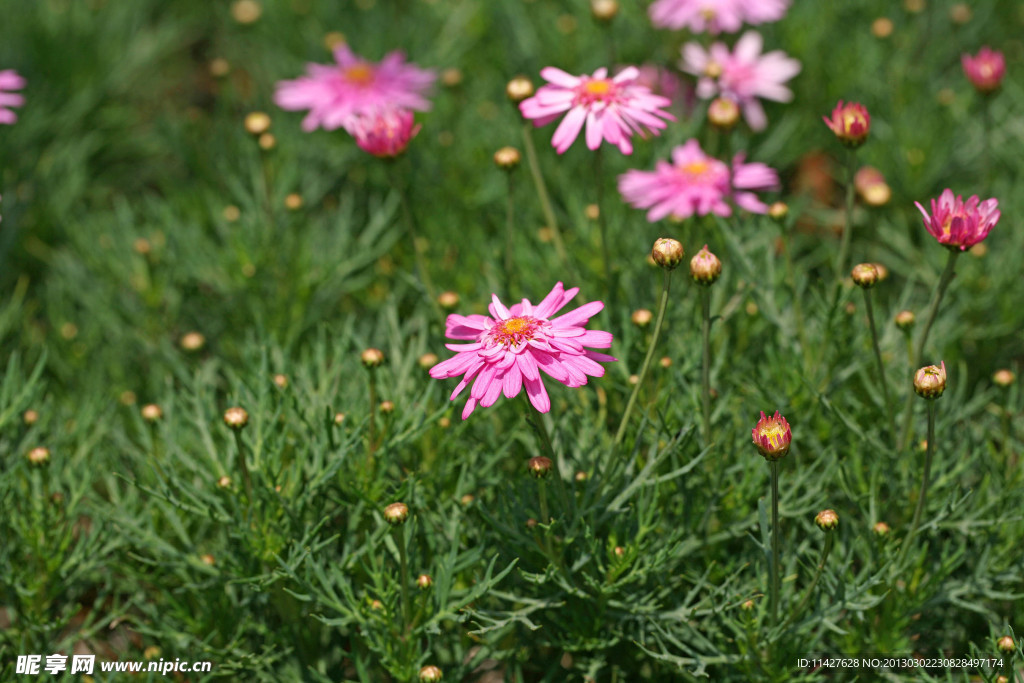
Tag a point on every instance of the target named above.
point(39, 456)
point(30, 417)
point(257, 123)
point(519, 88)
point(1003, 378)
point(151, 412)
point(293, 201)
point(539, 466)
point(451, 77)
point(339, 418)
point(236, 417)
point(1006, 644)
point(192, 341)
point(448, 300)
point(850, 123)
point(267, 141)
point(507, 158)
point(881, 529)
point(396, 513)
point(424, 581)
point(905, 320)
point(827, 520)
point(387, 407)
point(428, 360)
point(604, 10)
point(281, 381)
point(778, 211)
point(667, 253)
point(865, 275)
point(372, 358)
point(705, 268)
point(224, 482)
point(723, 113)
point(430, 674)
point(930, 381)
point(641, 317)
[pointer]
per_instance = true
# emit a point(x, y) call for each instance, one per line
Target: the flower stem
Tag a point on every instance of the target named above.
point(705, 305)
point(417, 245)
point(510, 233)
point(542, 194)
point(775, 589)
point(844, 243)
point(242, 466)
point(881, 365)
point(923, 494)
point(403, 575)
point(826, 549)
point(602, 223)
point(662, 306)
point(940, 290)
point(373, 424)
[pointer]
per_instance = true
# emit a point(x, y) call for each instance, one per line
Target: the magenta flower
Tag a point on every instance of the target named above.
point(612, 108)
point(385, 132)
point(508, 349)
point(10, 80)
point(958, 225)
point(743, 75)
point(695, 183)
point(336, 94)
point(714, 15)
point(985, 70)
point(850, 122)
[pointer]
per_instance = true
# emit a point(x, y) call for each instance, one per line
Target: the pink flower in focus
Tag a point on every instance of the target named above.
point(850, 122)
point(385, 132)
point(10, 80)
point(958, 225)
point(743, 75)
point(714, 15)
point(695, 183)
point(985, 70)
point(508, 349)
point(335, 94)
point(612, 108)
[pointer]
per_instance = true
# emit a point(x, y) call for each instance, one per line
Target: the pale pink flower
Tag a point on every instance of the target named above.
point(743, 75)
point(508, 350)
point(985, 70)
point(385, 132)
point(336, 94)
point(960, 225)
point(714, 15)
point(612, 108)
point(695, 183)
point(10, 80)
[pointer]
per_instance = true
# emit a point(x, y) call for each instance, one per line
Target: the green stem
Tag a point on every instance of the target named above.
point(923, 494)
point(662, 306)
point(373, 414)
point(510, 234)
point(417, 247)
point(798, 314)
point(242, 466)
point(826, 549)
point(542, 493)
point(705, 305)
point(602, 223)
point(881, 365)
point(844, 244)
point(940, 290)
point(774, 597)
point(542, 193)
point(403, 574)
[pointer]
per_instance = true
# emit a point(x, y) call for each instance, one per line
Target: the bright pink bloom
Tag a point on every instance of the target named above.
point(714, 15)
point(743, 75)
point(985, 70)
point(335, 94)
point(10, 80)
point(385, 132)
point(851, 123)
point(612, 108)
point(772, 436)
point(695, 183)
point(507, 350)
point(958, 225)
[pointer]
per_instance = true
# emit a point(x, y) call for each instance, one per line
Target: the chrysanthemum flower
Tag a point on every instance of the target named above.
point(772, 436)
point(336, 94)
point(960, 225)
point(714, 15)
point(850, 122)
point(695, 183)
point(509, 349)
point(985, 70)
point(385, 132)
point(10, 80)
point(612, 108)
point(743, 75)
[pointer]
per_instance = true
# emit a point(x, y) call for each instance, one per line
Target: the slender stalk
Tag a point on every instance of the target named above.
point(403, 575)
point(798, 314)
point(940, 290)
point(510, 233)
point(844, 243)
point(242, 466)
point(881, 366)
point(705, 377)
point(662, 306)
point(774, 596)
point(542, 494)
point(826, 549)
point(923, 494)
point(602, 223)
point(373, 416)
point(417, 248)
point(542, 194)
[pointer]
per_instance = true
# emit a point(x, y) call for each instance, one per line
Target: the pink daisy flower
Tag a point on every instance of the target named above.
point(385, 132)
point(508, 350)
point(695, 183)
point(958, 225)
point(714, 15)
point(612, 108)
point(985, 70)
point(743, 75)
point(10, 80)
point(336, 94)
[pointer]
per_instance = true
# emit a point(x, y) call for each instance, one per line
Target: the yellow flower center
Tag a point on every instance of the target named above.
point(774, 433)
point(515, 326)
point(713, 69)
point(851, 119)
point(360, 74)
point(598, 88)
point(695, 168)
point(514, 331)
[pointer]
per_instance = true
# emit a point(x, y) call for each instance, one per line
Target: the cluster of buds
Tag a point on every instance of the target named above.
point(930, 381)
point(850, 122)
point(772, 436)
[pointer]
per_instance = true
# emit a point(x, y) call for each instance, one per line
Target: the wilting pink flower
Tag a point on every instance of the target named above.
point(695, 183)
point(985, 70)
point(10, 80)
point(385, 132)
point(714, 15)
point(612, 108)
point(958, 225)
point(850, 122)
point(509, 349)
point(335, 94)
point(772, 436)
point(743, 75)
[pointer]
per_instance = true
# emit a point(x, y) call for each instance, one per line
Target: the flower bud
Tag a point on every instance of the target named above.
point(1006, 644)
point(667, 253)
point(985, 70)
point(224, 482)
point(604, 10)
point(827, 520)
point(747, 605)
point(236, 417)
point(246, 11)
point(1002, 679)
point(930, 381)
point(372, 358)
point(507, 158)
point(1003, 378)
point(850, 122)
point(192, 341)
point(151, 412)
point(281, 381)
point(293, 201)
point(448, 300)
point(387, 407)
point(881, 529)
point(778, 211)
point(723, 113)
point(424, 581)
point(772, 436)
point(540, 466)
point(39, 456)
point(257, 123)
point(30, 417)
point(451, 77)
point(865, 275)
point(641, 317)
point(905, 320)
point(339, 418)
point(428, 360)
point(519, 88)
point(883, 272)
point(430, 674)
point(871, 186)
point(208, 559)
point(396, 513)
point(267, 141)
point(705, 267)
